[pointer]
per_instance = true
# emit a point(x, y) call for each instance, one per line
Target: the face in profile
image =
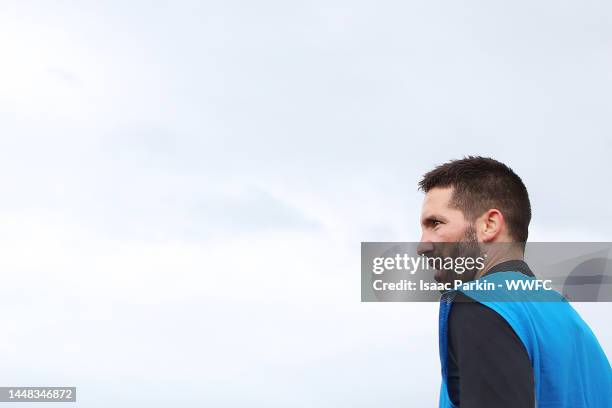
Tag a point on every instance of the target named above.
point(446, 233)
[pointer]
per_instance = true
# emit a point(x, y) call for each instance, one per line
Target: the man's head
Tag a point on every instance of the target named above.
point(477, 198)
point(472, 200)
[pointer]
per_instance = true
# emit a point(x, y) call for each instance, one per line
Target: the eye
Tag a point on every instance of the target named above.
point(433, 223)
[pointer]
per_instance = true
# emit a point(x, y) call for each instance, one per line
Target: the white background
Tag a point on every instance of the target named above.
point(184, 186)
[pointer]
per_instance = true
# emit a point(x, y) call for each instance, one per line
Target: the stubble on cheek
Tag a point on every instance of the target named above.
point(465, 246)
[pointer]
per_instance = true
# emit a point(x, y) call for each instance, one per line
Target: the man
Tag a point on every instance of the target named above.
point(503, 354)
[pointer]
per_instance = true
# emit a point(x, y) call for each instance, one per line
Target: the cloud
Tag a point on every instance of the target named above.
point(66, 76)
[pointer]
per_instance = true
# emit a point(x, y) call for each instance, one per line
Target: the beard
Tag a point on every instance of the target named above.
point(466, 247)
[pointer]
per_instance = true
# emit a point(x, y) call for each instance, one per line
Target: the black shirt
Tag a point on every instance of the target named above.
point(488, 365)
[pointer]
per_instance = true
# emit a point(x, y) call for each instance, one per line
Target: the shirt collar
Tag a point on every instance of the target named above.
point(516, 265)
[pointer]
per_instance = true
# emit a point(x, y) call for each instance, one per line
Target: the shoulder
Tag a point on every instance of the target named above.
point(469, 319)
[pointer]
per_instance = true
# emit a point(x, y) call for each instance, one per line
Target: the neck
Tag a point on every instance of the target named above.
point(512, 253)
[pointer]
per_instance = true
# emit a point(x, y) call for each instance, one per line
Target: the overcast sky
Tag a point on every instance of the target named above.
point(185, 185)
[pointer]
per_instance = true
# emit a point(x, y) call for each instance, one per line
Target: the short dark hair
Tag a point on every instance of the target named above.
point(482, 183)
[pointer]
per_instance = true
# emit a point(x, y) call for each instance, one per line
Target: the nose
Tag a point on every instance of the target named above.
point(424, 247)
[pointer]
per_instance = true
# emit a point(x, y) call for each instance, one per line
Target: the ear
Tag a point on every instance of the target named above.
point(490, 226)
